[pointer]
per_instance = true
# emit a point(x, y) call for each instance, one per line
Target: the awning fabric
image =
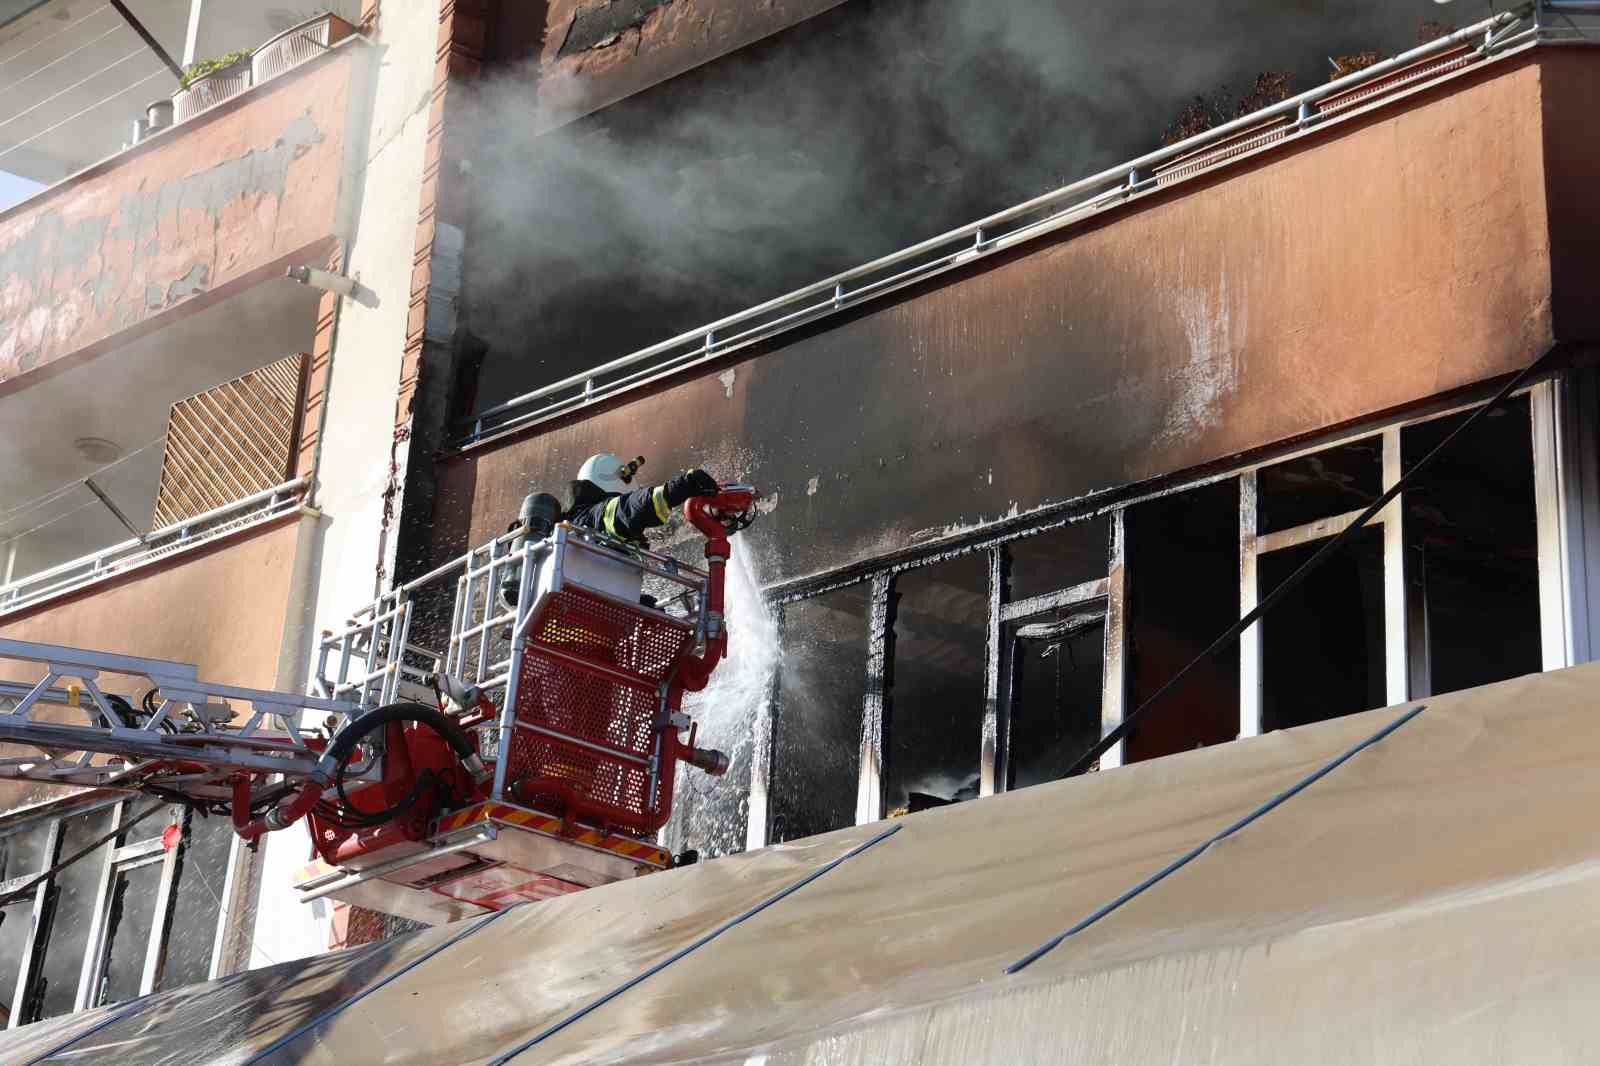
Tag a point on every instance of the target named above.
point(1431, 901)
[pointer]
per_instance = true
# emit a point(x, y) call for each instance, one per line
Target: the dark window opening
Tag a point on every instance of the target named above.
point(1472, 552)
point(1322, 647)
point(133, 911)
point(22, 854)
point(1057, 676)
point(822, 679)
point(1182, 556)
point(1330, 482)
point(15, 921)
point(74, 893)
point(1060, 558)
point(934, 725)
point(201, 874)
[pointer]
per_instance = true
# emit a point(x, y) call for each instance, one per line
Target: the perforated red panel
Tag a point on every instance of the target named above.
point(610, 634)
point(565, 688)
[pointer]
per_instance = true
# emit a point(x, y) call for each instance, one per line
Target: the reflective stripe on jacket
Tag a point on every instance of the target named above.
point(627, 516)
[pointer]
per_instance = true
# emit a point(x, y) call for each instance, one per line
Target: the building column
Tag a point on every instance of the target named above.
point(426, 399)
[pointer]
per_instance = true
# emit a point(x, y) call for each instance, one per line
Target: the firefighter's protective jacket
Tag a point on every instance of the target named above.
point(625, 517)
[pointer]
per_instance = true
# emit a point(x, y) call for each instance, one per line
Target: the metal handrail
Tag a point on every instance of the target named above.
point(937, 254)
point(86, 569)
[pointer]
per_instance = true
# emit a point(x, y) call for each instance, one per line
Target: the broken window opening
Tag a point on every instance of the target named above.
point(1183, 589)
point(934, 718)
point(74, 892)
point(201, 877)
point(22, 855)
point(1334, 481)
point(1323, 645)
point(1057, 678)
point(822, 682)
point(128, 926)
point(1059, 558)
point(1472, 552)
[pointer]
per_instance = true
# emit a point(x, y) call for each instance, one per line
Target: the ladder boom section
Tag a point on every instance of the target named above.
point(172, 732)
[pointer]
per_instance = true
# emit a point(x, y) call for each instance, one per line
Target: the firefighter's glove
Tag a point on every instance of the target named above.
point(690, 483)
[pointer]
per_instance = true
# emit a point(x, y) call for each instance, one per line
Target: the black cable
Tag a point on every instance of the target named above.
point(150, 42)
point(345, 744)
point(1293, 581)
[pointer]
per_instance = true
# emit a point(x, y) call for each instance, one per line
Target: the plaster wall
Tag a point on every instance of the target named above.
point(221, 607)
point(162, 228)
point(580, 56)
point(356, 449)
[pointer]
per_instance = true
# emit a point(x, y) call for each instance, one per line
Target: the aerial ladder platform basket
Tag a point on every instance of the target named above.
point(504, 728)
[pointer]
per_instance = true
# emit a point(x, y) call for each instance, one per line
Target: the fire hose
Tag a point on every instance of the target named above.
point(335, 761)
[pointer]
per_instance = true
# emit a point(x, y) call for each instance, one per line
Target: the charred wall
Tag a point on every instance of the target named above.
point(1217, 317)
point(1572, 153)
point(571, 57)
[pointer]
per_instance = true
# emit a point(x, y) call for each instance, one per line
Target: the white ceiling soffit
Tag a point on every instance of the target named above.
point(74, 76)
point(124, 398)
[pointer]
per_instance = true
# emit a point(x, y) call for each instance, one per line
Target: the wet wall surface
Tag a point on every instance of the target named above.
point(1223, 315)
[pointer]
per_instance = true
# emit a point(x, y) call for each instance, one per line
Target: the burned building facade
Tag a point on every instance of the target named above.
point(1028, 441)
point(1018, 476)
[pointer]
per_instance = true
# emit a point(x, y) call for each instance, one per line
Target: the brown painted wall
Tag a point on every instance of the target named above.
point(1395, 258)
point(548, 41)
point(221, 608)
point(158, 227)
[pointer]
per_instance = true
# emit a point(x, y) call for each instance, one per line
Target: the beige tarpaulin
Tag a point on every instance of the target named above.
point(1434, 900)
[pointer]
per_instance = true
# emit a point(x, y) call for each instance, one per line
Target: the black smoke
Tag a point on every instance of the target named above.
point(858, 132)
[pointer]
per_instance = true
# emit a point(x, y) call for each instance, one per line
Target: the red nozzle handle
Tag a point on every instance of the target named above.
point(705, 512)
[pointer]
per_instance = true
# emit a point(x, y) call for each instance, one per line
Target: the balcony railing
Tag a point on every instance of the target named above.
point(91, 89)
point(1549, 21)
point(169, 540)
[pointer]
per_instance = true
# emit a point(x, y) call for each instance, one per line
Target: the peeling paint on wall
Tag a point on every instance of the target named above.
point(728, 377)
point(166, 223)
point(602, 24)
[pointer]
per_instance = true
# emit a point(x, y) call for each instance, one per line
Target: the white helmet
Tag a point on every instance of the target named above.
point(605, 472)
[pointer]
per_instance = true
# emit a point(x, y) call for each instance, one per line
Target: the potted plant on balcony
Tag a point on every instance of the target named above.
point(212, 81)
point(308, 38)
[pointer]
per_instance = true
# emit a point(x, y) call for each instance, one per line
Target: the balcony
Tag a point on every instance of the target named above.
point(171, 225)
point(152, 276)
point(79, 77)
point(144, 450)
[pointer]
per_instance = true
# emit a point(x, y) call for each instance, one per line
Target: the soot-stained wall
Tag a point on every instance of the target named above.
point(1401, 255)
point(576, 56)
point(861, 130)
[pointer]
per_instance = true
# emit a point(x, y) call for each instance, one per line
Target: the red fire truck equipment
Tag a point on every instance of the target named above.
point(533, 754)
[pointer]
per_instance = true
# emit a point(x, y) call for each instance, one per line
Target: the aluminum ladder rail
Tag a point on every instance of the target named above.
point(78, 736)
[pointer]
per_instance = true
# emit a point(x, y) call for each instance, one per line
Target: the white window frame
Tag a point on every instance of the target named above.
point(128, 856)
point(1564, 413)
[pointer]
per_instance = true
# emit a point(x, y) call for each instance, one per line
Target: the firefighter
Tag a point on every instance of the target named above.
point(602, 499)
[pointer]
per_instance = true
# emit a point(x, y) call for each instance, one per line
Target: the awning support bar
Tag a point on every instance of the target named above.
point(1183, 860)
point(556, 1027)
